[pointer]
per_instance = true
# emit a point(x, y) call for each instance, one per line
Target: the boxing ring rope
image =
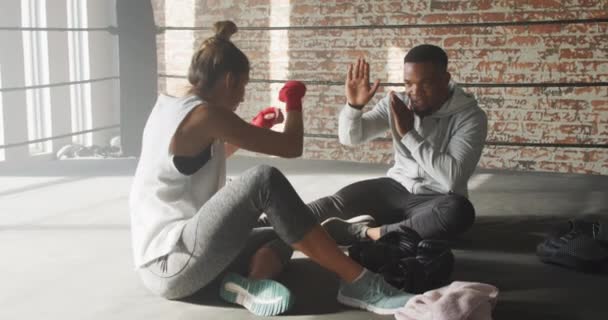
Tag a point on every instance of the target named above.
point(468, 85)
point(67, 135)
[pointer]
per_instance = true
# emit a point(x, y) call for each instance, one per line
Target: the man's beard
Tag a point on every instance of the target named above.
point(424, 112)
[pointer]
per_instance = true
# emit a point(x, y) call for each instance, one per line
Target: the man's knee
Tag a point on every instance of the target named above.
point(459, 212)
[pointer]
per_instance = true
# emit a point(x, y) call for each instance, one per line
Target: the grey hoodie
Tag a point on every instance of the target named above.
point(439, 155)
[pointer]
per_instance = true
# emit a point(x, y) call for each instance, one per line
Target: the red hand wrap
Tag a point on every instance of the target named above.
point(268, 118)
point(292, 94)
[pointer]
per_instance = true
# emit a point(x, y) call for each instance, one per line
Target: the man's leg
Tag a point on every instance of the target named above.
point(384, 199)
point(435, 216)
point(381, 198)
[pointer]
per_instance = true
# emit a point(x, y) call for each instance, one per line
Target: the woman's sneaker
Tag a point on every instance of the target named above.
point(260, 297)
point(370, 292)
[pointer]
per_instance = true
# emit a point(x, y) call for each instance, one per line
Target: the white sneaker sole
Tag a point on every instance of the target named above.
point(357, 219)
point(279, 301)
point(244, 298)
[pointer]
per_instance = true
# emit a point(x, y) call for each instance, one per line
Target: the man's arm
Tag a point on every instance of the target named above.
point(356, 127)
point(457, 164)
point(353, 125)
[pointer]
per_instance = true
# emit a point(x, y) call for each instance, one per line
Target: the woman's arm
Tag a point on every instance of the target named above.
point(225, 125)
point(204, 124)
point(266, 118)
point(230, 149)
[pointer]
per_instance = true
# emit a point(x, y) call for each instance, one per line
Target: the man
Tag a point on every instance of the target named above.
point(438, 134)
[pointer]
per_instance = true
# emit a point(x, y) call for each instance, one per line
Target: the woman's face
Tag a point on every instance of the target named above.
point(235, 94)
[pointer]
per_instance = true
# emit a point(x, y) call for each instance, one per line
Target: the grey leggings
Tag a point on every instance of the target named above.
point(432, 216)
point(222, 236)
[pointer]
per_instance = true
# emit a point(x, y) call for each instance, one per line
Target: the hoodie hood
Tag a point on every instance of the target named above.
point(457, 101)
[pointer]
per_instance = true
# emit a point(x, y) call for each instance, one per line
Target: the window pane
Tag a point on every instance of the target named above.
point(2, 156)
point(36, 68)
point(80, 94)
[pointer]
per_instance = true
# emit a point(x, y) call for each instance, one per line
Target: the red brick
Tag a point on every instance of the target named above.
point(299, 9)
point(524, 41)
point(602, 129)
point(570, 104)
point(542, 4)
point(447, 5)
point(600, 105)
point(591, 91)
point(580, 28)
point(561, 40)
point(458, 42)
point(491, 41)
point(337, 9)
point(544, 29)
point(575, 54)
point(577, 129)
point(562, 167)
point(493, 16)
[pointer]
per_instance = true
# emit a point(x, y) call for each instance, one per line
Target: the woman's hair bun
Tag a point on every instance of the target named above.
point(224, 29)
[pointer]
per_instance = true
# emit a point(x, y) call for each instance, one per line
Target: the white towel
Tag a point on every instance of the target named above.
point(457, 301)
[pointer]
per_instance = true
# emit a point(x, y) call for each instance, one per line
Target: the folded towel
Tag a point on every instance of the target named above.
point(457, 301)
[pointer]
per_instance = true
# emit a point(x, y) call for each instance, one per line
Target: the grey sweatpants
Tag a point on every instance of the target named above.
point(223, 236)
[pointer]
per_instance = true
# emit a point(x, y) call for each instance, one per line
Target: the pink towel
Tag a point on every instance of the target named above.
point(457, 301)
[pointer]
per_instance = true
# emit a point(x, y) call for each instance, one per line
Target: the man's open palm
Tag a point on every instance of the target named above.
point(357, 88)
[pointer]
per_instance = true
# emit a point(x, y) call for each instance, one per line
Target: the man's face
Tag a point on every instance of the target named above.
point(426, 86)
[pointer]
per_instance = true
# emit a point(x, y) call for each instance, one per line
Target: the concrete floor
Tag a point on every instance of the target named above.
point(65, 244)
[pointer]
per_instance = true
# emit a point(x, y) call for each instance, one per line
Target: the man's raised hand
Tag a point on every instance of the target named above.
point(357, 88)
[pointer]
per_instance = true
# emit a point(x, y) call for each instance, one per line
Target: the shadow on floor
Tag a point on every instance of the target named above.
point(501, 251)
point(315, 290)
point(508, 234)
point(498, 251)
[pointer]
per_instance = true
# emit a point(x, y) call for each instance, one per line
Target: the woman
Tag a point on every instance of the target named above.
point(188, 228)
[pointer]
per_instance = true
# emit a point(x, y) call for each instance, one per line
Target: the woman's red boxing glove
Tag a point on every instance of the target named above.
point(268, 118)
point(292, 94)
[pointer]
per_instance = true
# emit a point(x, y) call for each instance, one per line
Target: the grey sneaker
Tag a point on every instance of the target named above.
point(372, 293)
point(347, 232)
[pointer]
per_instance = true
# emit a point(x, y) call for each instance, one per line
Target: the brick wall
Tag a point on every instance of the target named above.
point(539, 68)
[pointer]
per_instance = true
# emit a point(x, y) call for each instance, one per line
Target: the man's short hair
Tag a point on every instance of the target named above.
point(428, 53)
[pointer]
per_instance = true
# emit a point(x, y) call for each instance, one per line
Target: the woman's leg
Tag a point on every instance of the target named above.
point(221, 228)
point(264, 256)
point(265, 264)
point(219, 233)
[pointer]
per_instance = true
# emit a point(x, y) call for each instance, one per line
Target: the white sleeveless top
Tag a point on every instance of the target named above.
point(162, 199)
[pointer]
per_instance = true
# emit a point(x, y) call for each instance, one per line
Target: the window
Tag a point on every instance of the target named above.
point(80, 94)
point(36, 68)
point(2, 157)
point(279, 47)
